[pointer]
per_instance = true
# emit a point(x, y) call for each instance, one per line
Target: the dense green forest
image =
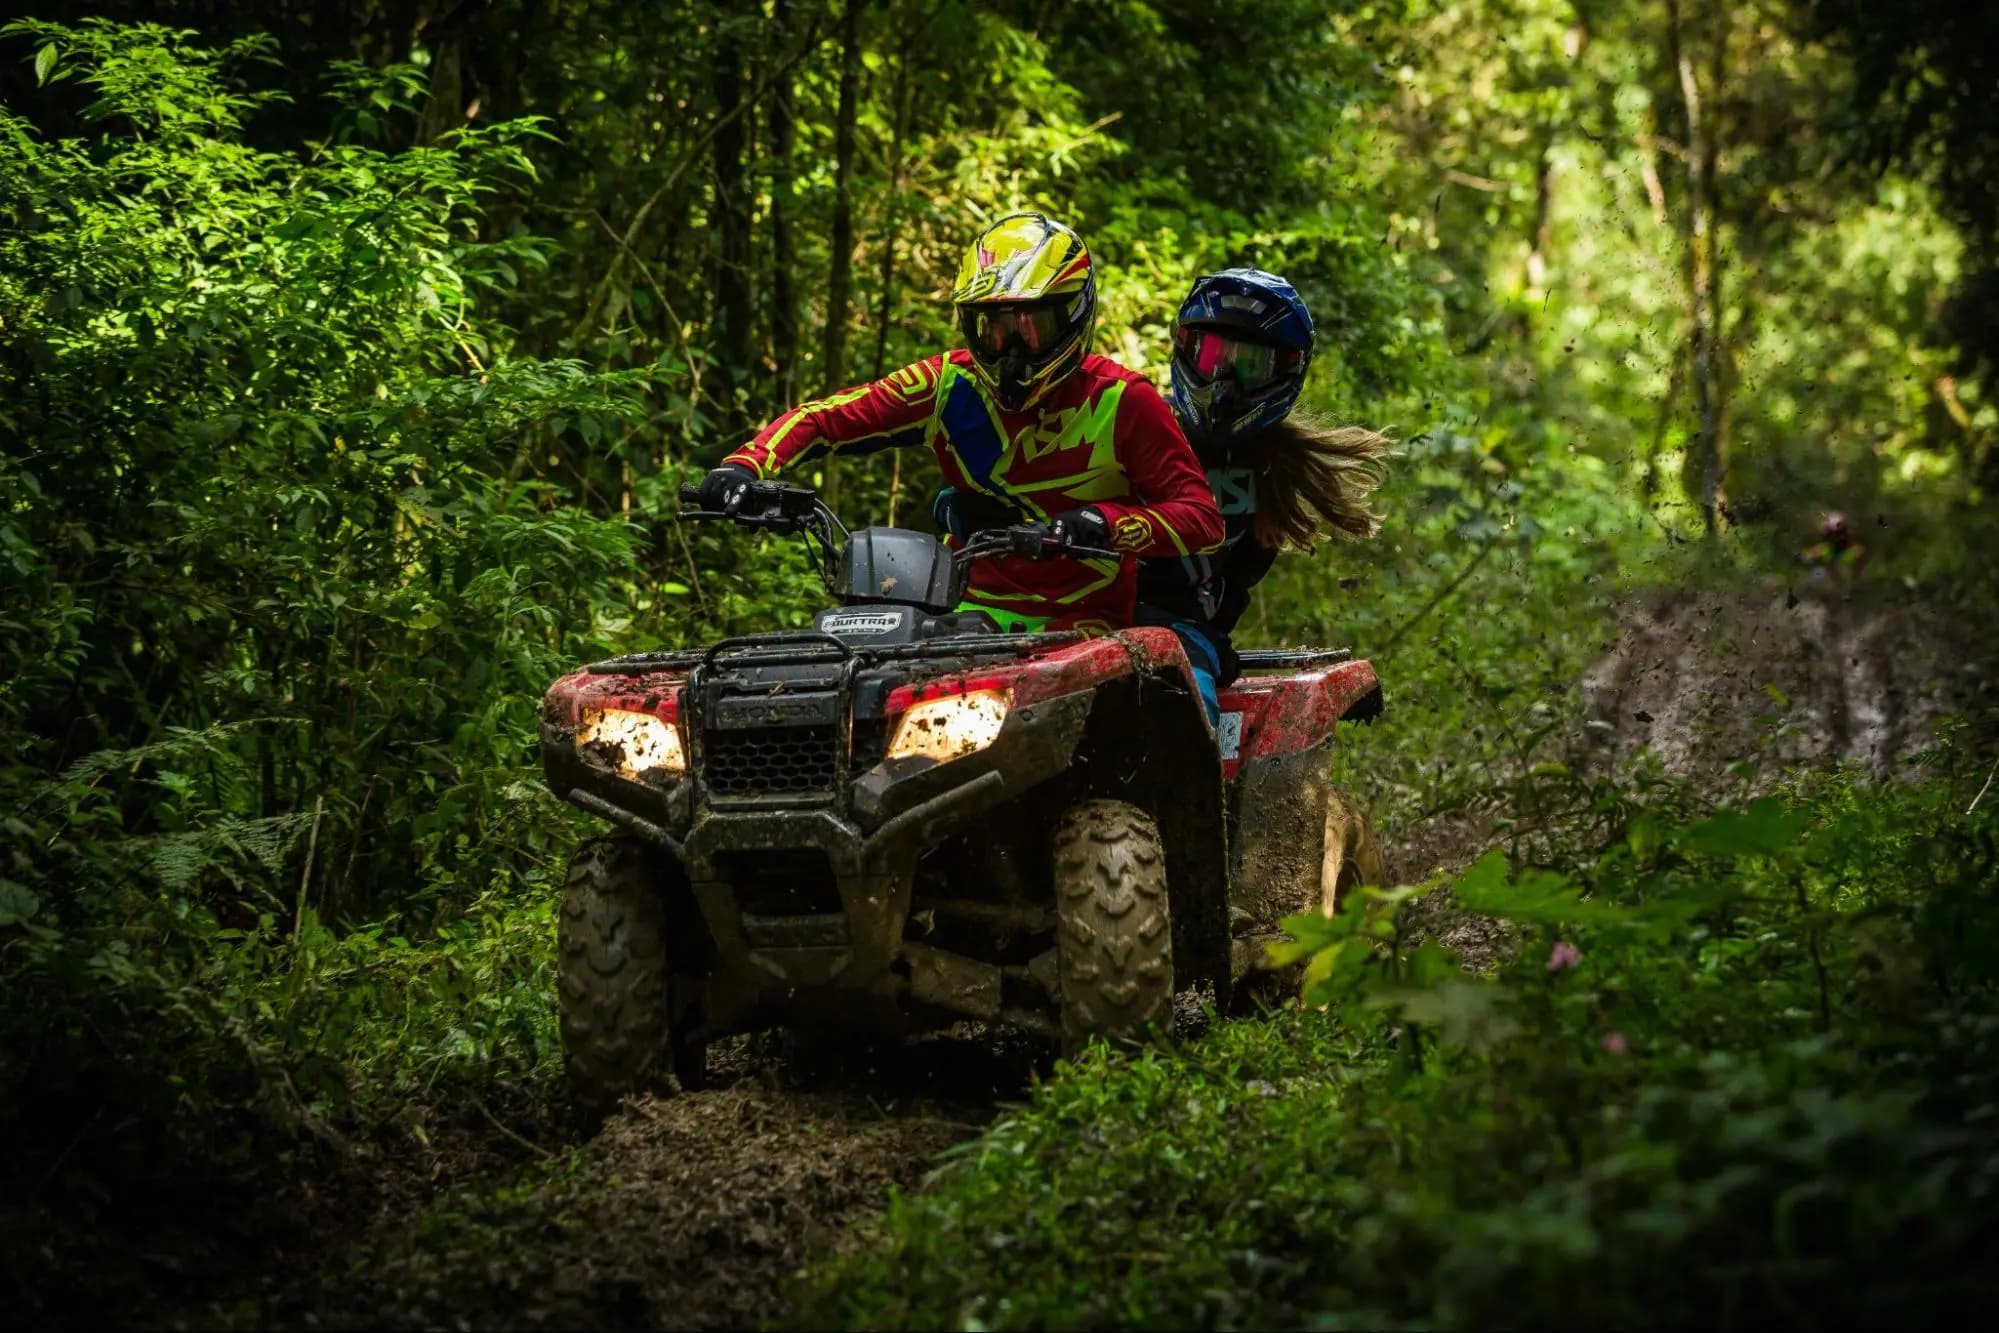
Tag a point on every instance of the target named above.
point(350, 358)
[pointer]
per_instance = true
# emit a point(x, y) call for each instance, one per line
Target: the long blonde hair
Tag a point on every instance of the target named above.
point(1313, 477)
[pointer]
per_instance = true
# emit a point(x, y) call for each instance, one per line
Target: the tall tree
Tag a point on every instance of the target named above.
point(733, 241)
point(840, 281)
point(784, 327)
point(1709, 459)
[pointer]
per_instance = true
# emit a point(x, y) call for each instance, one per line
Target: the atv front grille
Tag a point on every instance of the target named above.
point(754, 762)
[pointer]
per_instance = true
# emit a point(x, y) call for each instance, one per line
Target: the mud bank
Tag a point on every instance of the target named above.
point(1787, 675)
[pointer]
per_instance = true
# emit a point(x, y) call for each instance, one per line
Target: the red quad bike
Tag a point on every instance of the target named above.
point(901, 818)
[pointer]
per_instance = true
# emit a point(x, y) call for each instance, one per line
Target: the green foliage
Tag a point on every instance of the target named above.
point(1917, 102)
point(1734, 1072)
point(346, 376)
point(276, 619)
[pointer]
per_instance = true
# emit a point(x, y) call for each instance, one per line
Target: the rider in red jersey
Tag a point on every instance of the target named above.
point(1028, 426)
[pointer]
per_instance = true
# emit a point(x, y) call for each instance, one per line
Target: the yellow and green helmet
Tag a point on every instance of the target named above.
point(1027, 304)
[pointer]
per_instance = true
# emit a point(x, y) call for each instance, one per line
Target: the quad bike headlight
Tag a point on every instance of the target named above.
point(637, 743)
point(951, 727)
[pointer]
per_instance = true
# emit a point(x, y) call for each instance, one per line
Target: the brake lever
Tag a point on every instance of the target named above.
point(766, 519)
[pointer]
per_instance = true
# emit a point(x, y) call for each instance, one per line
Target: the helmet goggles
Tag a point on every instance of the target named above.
point(1208, 354)
point(1034, 327)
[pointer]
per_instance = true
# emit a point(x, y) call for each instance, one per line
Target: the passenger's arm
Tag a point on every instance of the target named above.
point(1242, 568)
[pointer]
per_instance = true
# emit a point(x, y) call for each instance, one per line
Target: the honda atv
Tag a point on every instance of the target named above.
point(901, 817)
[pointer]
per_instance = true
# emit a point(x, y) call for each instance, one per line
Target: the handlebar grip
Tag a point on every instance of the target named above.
point(690, 495)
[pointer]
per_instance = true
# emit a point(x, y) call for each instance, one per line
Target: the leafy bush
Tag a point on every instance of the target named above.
point(276, 618)
point(1739, 1070)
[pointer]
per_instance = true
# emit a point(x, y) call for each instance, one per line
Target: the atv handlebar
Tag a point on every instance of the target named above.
point(1034, 541)
point(781, 508)
point(765, 504)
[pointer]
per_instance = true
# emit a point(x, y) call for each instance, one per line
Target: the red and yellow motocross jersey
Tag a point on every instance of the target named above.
point(1102, 437)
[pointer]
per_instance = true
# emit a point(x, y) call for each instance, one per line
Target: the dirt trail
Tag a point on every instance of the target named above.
point(690, 1211)
point(1860, 677)
point(696, 1211)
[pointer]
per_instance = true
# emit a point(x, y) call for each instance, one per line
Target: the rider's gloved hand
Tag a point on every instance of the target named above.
point(1086, 526)
point(722, 490)
point(950, 515)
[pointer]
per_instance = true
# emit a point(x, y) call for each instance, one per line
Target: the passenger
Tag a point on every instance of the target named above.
point(1242, 342)
point(1241, 345)
point(1030, 427)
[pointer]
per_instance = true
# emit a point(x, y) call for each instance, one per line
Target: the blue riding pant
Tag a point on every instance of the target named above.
point(1202, 655)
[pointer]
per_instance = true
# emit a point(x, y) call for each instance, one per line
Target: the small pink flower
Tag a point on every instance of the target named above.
point(1615, 1043)
point(1563, 955)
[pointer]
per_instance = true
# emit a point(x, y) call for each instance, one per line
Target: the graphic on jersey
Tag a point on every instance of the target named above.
point(1133, 532)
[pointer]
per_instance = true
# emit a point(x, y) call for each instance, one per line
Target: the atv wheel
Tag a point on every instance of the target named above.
point(1114, 939)
point(611, 973)
point(1353, 857)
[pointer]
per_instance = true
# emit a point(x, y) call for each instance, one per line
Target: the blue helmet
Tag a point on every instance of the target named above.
point(1241, 343)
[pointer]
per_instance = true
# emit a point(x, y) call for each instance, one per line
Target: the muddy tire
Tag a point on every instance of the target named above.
point(1352, 857)
point(611, 973)
point(1114, 939)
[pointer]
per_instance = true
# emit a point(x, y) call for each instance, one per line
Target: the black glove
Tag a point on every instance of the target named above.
point(722, 490)
point(1086, 526)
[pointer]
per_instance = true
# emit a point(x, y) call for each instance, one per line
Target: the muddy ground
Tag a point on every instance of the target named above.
point(1787, 674)
point(692, 1211)
point(697, 1211)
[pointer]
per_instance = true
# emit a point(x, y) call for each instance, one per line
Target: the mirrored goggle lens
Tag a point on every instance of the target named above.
point(1036, 328)
point(1209, 354)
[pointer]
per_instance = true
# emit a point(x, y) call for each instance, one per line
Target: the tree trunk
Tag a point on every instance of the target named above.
point(903, 96)
point(447, 28)
point(1707, 462)
point(784, 334)
point(840, 282)
point(1544, 211)
point(900, 130)
point(1714, 479)
point(732, 225)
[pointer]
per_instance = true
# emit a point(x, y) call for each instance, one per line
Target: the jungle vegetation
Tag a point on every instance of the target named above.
point(350, 358)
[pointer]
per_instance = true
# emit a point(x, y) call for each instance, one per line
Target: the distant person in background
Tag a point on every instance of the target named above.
point(1836, 552)
point(1242, 342)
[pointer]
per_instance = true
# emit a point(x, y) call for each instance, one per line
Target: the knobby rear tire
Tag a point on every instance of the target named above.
point(1351, 861)
point(1114, 928)
point(611, 973)
point(1352, 857)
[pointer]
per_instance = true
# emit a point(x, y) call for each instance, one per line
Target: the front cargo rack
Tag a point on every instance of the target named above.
point(806, 647)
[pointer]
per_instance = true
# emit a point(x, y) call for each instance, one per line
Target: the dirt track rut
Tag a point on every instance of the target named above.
point(690, 1211)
